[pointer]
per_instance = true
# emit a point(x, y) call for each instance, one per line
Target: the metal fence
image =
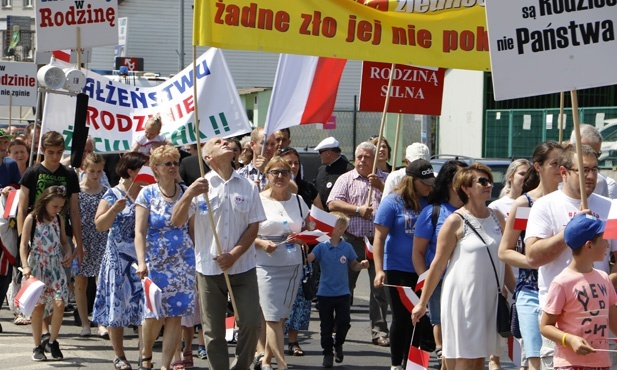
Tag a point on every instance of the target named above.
point(354, 127)
point(515, 132)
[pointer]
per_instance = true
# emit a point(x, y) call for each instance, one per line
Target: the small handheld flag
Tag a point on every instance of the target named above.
point(368, 248)
point(29, 295)
point(417, 359)
point(520, 220)
point(421, 280)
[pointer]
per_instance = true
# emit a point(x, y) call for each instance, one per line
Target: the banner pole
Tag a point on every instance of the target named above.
point(398, 131)
point(79, 48)
point(381, 127)
point(579, 149)
point(10, 112)
point(202, 173)
point(561, 105)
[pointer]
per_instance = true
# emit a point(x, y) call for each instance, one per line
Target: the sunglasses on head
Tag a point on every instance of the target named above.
point(288, 149)
point(484, 181)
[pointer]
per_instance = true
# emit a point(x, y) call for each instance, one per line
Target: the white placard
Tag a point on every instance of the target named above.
point(18, 79)
point(498, 115)
point(600, 120)
point(540, 47)
point(527, 122)
point(57, 23)
point(549, 121)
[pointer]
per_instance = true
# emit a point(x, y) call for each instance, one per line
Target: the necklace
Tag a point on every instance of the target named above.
point(168, 196)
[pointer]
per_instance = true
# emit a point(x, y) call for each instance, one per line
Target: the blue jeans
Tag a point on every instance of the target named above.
point(434, 304)
point(528, 309)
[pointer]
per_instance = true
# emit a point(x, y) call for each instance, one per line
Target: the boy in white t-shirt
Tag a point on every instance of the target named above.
point(580, 304)
point(151, 138)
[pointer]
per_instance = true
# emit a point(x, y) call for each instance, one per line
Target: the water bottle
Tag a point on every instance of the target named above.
point(291, 248)
point(74, 267)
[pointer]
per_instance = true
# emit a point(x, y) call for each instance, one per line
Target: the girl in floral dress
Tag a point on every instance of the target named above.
point(48, 252)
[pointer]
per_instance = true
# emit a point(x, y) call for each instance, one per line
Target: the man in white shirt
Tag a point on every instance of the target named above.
point(413, 152)
point(237, 211)
point(544, 238)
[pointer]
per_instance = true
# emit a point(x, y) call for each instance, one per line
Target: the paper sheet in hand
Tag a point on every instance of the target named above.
point(153, 297)
point(29, 295)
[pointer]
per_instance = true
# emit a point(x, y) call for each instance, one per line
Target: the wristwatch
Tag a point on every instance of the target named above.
point(357, 211)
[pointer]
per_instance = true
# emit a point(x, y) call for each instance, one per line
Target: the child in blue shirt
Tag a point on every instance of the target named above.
point(335, 258)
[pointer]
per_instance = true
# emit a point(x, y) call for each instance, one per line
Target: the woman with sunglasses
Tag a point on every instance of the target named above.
point(467, 245)
point(306, 190)
point(165, 254)
point(279, 257)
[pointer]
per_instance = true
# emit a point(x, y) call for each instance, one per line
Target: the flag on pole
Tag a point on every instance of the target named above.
point(520, 220)
point(610, 230)
point(417, 359)
point(368, 248)
point(153, 297)
point(10, 207)
point(312, 236)
point(63, 55)
point(146, 175)
point(29, 295)
point(421, 279)
point(322, 220)
point(408, 297)
point(304, 91)
point(230, 324)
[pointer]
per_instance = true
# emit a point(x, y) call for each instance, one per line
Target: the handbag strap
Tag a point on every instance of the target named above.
point(490, 256)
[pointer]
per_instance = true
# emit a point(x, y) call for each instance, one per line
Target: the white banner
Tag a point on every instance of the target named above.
point(18, 80)
point(545, 46)
point(57, 23)
point(117, 112)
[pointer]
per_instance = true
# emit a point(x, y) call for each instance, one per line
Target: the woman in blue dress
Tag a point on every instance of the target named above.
point(165, 254)
point(119, 293)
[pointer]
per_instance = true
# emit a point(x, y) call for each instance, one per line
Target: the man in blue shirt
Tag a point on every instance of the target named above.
point(9, 171)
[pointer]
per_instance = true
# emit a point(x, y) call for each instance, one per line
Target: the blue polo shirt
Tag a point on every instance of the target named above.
point(334, 264)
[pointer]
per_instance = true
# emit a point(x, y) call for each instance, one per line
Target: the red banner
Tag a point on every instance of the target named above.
point(414, 90)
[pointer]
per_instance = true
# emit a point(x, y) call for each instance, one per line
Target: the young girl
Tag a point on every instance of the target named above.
point(151, 138)
point(49, 251)
point(94, 241)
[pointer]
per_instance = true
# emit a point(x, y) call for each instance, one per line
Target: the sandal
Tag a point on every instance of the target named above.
point(141, 363)
point(178, 365)
point(295, 350)
point(21, 320)
point(438, 354)
point(187, 358)
point(122, 364)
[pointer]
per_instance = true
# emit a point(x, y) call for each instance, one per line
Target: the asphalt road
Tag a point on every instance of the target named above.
point(96, 353)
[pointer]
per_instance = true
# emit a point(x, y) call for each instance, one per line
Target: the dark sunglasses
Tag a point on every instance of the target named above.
point(170, 163)
point(275, 173)
point(484, 181)
point(288, 149)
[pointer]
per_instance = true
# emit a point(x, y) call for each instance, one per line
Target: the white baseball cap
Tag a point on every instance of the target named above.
point(417, 151)
point(328, 143)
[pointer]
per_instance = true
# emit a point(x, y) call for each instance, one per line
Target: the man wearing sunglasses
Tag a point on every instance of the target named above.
point(333, 165)
point(545, 247)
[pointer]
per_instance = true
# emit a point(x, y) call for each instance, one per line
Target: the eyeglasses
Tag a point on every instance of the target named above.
point(275, 173)
point(288, 149)
point(586, 170)
point(170, 163)
point(322, 151)
point(484, 181)
point(373, 137)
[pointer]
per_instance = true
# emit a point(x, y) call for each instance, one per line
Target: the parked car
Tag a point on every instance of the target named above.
point(608, 158)
point(498, 167)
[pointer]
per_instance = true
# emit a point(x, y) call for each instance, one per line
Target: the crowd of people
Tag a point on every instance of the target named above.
point(217, 244)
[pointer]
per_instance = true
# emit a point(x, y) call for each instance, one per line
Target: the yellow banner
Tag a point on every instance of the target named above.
point(440, 33)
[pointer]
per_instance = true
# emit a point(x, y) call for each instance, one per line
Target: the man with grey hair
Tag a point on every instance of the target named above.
point(605, 186)
point(349, 195)
point(413, 152)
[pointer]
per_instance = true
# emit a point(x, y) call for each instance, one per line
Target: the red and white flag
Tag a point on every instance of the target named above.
point(421, 279)
point(368, 248)
point(146, 175)
point(304, 91)
point(610, 230)
point(323, 220)
point(520, 220)
point(29, 295)
point(408, 297)
point(230, 324)
point(153, 297)
point(417, 359)
point(10, 207)
point(63, 55)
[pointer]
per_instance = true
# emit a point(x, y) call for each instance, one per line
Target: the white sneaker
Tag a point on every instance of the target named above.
point(396, 367)
point(103, 333)
point(85, 331)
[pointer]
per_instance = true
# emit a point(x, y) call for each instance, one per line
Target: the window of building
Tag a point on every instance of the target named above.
point(7, 3)
point(28, 4)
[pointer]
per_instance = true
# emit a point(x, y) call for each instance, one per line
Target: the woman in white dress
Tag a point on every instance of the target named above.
point(469, 293)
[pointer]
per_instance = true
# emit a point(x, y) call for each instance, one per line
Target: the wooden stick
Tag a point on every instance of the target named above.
point(79, 48)
point(202, 172)
point(561, 104)
point(579, 149)
point(10, 111)
point(381, 126)
point(398, 131)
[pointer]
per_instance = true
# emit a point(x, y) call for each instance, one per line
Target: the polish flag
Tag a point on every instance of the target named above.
point(417, 359)
point(368, 248)
point(63, 55)
point(610, 230)
point(421, 279)
point(323, 220)
point(304, 91)
point(29, 295)
point(409, 299)
point(520, 220)
point(146, 175)
point(153, 297)
point(10, 207)
point(230, 324)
